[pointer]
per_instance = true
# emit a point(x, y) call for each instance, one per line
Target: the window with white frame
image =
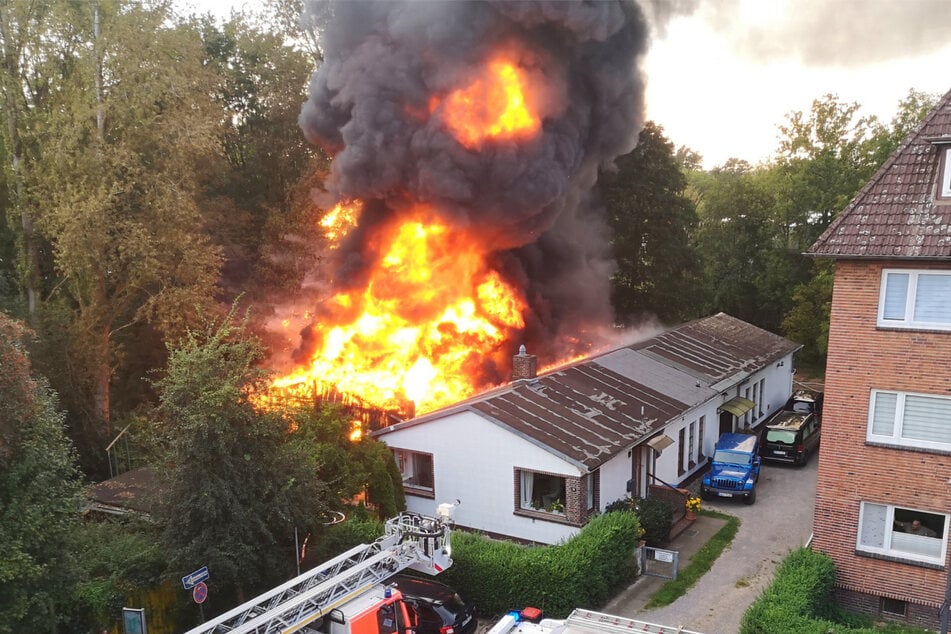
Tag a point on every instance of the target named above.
point(915, 299)
point(944, 187)
point(700, 425)
point(542, 492)
point(692, 443)
point(589, 488)
point(913, 420)
point(416, 469)
point(902, 532)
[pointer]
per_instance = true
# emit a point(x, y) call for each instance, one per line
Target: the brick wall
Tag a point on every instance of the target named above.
point(862, 357)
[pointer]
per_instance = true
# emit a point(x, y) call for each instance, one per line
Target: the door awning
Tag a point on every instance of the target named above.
point(738, 406)
point(659, 443)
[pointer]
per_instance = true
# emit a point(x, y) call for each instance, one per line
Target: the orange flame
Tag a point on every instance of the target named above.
point(423, 326)
point(338, 222)
point(495, 105)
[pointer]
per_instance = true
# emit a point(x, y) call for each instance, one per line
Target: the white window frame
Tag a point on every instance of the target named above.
point(896, 437)
point(889, 532)
point(908, 321)
point(944, 187)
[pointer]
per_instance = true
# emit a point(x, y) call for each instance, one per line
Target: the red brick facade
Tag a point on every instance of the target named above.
point(863, 357)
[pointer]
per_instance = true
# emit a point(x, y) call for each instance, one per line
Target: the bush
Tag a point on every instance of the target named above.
point(656, 517)
point(800, 601)
point(585, 571)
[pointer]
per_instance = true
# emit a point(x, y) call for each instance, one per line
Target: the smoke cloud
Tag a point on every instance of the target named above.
point(530, 200)
point(841, 33)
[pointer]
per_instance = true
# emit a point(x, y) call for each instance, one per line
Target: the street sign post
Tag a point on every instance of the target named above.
point(200, 592)
point(190, 581)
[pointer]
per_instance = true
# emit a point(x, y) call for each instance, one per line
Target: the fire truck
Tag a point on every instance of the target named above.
point(530, 621)
point(346, 595)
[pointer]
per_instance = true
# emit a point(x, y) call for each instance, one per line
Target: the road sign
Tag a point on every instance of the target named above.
point(190, 581)
point(200, 592)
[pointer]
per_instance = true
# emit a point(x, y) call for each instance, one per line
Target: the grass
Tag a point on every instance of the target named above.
point(699, 564)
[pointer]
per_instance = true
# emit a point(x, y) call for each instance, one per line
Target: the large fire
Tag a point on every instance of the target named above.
point(432, 312)
point(419, 330)
point(495, 105)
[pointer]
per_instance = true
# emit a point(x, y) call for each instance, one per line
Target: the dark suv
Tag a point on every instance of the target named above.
point(792, 434)
point(440, 608)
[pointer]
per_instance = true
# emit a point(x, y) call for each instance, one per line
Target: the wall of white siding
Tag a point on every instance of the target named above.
point(474, 461)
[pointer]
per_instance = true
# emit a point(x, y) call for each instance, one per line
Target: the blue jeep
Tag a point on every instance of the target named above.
point(735, 468)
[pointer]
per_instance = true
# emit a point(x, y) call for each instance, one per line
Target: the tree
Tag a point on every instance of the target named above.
point(651, 219)
point(825, 159)
point(734, 240)
point(39, 494)
point(236, 487)
point(123, 156)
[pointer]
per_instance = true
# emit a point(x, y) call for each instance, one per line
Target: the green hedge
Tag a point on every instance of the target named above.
point(800, 601)
point(585, 571)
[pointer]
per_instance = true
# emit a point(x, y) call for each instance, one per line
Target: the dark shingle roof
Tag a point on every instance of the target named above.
point(894, 215)
point(590, 410)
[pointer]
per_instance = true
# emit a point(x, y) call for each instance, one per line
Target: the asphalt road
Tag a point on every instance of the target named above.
point(779, 522)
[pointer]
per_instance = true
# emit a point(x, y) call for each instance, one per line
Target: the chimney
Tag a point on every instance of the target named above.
point(524, 365)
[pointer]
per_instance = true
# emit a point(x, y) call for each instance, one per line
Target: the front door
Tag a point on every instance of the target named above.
point(726, 422)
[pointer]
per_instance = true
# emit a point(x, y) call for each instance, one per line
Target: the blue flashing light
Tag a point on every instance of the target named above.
point(387, 592)
point(515, 614)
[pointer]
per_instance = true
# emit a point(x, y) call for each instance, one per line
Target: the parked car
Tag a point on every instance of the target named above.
point(734, 470)
point(440, 608)
point(790, 437)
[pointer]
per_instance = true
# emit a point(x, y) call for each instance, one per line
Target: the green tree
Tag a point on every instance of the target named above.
point(258, 210)
point(825, 159)
point(734, 240)
point(236, 487)
point(123, 156)
point(39, 494)
point(651, 219)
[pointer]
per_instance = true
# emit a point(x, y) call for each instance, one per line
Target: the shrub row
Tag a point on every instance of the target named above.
point(800, 601)
point(585, 571)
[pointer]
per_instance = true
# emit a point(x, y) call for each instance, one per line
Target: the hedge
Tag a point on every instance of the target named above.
point(585, 571)
point(800, 601)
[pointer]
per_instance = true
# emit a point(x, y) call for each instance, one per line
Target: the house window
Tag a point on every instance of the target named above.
point(944, 187)
point(915, 299)
point(692, 442)
point(700, 425)
point(746, 416)
point(894, 607)
point(417, 471)
point(913, 420)
point(542, 492)
point(681, 448)
point(762, 395)
point(900, 532)
point(589, 491)
point(756, 400)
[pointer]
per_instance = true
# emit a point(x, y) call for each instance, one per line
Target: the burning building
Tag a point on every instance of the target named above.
point(465, 139)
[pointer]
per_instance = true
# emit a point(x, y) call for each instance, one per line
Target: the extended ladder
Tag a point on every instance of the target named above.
point(410, 541)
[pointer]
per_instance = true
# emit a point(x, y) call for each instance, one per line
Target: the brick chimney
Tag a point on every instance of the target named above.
point(524, 365)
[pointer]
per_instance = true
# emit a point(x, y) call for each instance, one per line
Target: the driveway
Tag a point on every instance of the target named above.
point(779, 522)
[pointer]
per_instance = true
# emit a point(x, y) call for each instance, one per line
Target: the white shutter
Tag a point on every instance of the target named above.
point(933, 299)
point(896, 296)
point(883, 413)
point(927, 418)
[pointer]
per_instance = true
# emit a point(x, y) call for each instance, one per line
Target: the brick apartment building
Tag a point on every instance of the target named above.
point(886, 439)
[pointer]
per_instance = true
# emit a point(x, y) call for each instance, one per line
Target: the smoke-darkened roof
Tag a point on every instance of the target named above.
point(591, 410)
point(895, 216)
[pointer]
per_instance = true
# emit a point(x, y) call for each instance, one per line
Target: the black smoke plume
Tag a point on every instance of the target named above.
point(530, 200)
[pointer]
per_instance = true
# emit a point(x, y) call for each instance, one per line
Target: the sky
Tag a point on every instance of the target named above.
point(723, 74)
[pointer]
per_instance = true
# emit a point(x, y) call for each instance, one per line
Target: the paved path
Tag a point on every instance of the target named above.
point(779, 522)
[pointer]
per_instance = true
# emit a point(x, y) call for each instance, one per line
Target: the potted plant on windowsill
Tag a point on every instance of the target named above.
point(556, 507)
point(693, 507)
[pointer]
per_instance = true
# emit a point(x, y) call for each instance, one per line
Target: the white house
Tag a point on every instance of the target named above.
point(533, 460)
